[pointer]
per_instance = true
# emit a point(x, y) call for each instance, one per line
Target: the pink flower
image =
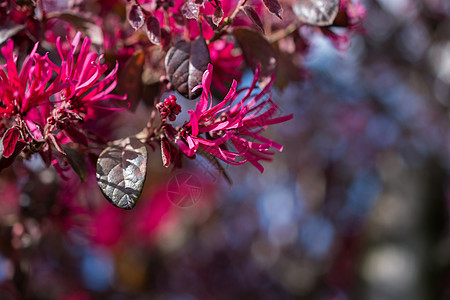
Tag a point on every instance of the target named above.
point(45, 103)
point(20, 91)
point(88, 87)
point(231, 128)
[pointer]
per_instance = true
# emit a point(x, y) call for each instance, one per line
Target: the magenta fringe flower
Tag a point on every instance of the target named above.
point(20, 91)
point(44, 104)
point(85, 72)
point(232, 128)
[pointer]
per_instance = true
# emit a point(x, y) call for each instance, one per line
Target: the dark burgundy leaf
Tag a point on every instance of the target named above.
point(136, 17)
point(165, 152)
point(166, 37)
point(316, 12)
point(85, 25)
point(257, 51)
point(185, 63)
point(52, 139)
point(217, 15)
point(274, 7)
point(130, 79)
point(9, 31)
point(46, 154)
point(190, 10)
point(77, 162)
point(153, 30)
point(210, 22)
point(179, 19)
point(76, 135)
point(8, 161)
point(9, 141)
point(253, 16)
point(121, 172)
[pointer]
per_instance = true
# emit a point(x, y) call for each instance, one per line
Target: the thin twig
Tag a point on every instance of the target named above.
point(282, 33)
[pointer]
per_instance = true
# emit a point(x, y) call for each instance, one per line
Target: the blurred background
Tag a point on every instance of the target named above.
point(355, 207)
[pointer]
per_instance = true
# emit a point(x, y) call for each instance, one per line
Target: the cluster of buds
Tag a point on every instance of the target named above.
point(61, 118)
point(169, 108)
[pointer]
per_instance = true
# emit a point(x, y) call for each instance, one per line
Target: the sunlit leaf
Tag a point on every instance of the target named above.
point(217, 15)
point(185, 63)
point(316, 12)
point(153, 30)
point(165, 152)
point(253, 16)
point(274, 7)
point(136, 17)
point(190, 10)
point(121, 172)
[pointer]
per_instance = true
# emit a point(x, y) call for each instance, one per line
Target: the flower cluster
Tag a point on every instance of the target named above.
point(230, 130)
point(20, 91)
point(46, 102)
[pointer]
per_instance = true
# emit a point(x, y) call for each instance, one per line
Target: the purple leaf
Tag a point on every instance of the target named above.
point(316, 12)
point(257, 51)
point(253, 16)
point(210, 22)
point(10, 30)
point(185, 63)
point(153, 30)
point(136, 17)
point(8, 161)
point(82, 23)
point(165, 152)
point(77, 162)
point(121, 172)
point(76, 135)
point(217, 15)
point(130, 79)
point(179, 19)
point(166, 37)
point(274, 7)
point(9, 141)
point(190, 10)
